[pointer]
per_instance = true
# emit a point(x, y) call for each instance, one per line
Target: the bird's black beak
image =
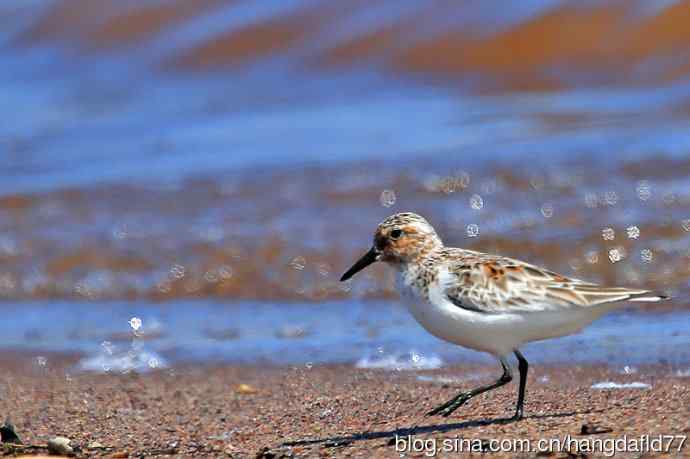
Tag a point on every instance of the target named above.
point(370, 257)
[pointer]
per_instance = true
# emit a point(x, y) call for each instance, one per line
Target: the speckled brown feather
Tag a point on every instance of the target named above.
point(494, 284)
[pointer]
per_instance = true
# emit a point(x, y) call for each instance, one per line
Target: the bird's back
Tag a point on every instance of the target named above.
point(495, 284)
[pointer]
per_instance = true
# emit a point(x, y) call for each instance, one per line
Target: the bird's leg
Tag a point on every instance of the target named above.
point(456, 402)
point(523, 366)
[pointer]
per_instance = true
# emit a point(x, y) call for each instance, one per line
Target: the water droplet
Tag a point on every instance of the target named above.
point(628, 370)
point(387, 198)
point(608, 234)
point(345, 286)
point(633, 232)
point(476, 202)
point(309, 365)
point(616, 254)
point(686, 224)
point(107, 347)
point(298, 263)
point(472, 230)
point(211, 277)
point(591, 200)
point(135, 323)
point(610, 198)
point(644, 190)
point(592, 257)
point(646, 255)
point(547, 210)
point(323, 269)
point(119, 232)
point(177, 271)
point(225, 272)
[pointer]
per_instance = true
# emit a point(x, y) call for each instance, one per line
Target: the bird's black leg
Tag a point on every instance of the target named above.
point(456, 402)
point(522, 366)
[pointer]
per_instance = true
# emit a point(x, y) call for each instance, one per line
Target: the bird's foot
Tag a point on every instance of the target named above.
point(451, 405)
point(438, 409)
point(515, 418)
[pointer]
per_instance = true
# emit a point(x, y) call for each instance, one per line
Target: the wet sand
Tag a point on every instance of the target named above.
point(238, 411)
point(111, 242)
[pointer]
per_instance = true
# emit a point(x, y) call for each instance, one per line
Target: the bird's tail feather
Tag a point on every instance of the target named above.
point(648, 297)
point(595, 295)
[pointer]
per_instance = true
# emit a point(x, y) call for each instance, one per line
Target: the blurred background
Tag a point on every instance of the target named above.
point(185, 181)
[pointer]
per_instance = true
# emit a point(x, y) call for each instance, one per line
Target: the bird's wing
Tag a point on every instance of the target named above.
point(492, 284)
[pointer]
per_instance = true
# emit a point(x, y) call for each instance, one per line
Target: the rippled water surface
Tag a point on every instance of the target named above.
point(126, 336)
point(241, 153)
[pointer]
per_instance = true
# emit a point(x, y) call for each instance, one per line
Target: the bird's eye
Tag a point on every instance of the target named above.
point(396, 233)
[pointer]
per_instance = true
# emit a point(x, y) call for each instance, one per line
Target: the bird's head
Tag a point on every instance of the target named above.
point(399, 239)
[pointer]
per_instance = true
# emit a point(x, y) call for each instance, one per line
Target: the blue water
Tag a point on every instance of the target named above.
point(73, 118)
point(84, 125)
point(301, 334)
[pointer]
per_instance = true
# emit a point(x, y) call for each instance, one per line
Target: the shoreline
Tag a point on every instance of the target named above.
point(249, 411)
point(367, 334)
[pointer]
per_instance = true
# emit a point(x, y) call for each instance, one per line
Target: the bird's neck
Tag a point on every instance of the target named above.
point(418, 273)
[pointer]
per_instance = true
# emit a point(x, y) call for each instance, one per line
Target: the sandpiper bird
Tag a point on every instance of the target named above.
point(485, 302)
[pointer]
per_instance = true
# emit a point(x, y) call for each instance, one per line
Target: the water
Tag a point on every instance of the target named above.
point(369, 334)
point(613, 385)
point(237, 156)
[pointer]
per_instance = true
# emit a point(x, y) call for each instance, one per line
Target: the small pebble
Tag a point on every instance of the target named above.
point(60, 446)
point(8, 434)
point(245, 389)
point(593, 429)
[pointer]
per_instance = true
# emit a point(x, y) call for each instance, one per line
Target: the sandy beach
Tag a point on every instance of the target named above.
point(330, 411)
point(184, 183)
